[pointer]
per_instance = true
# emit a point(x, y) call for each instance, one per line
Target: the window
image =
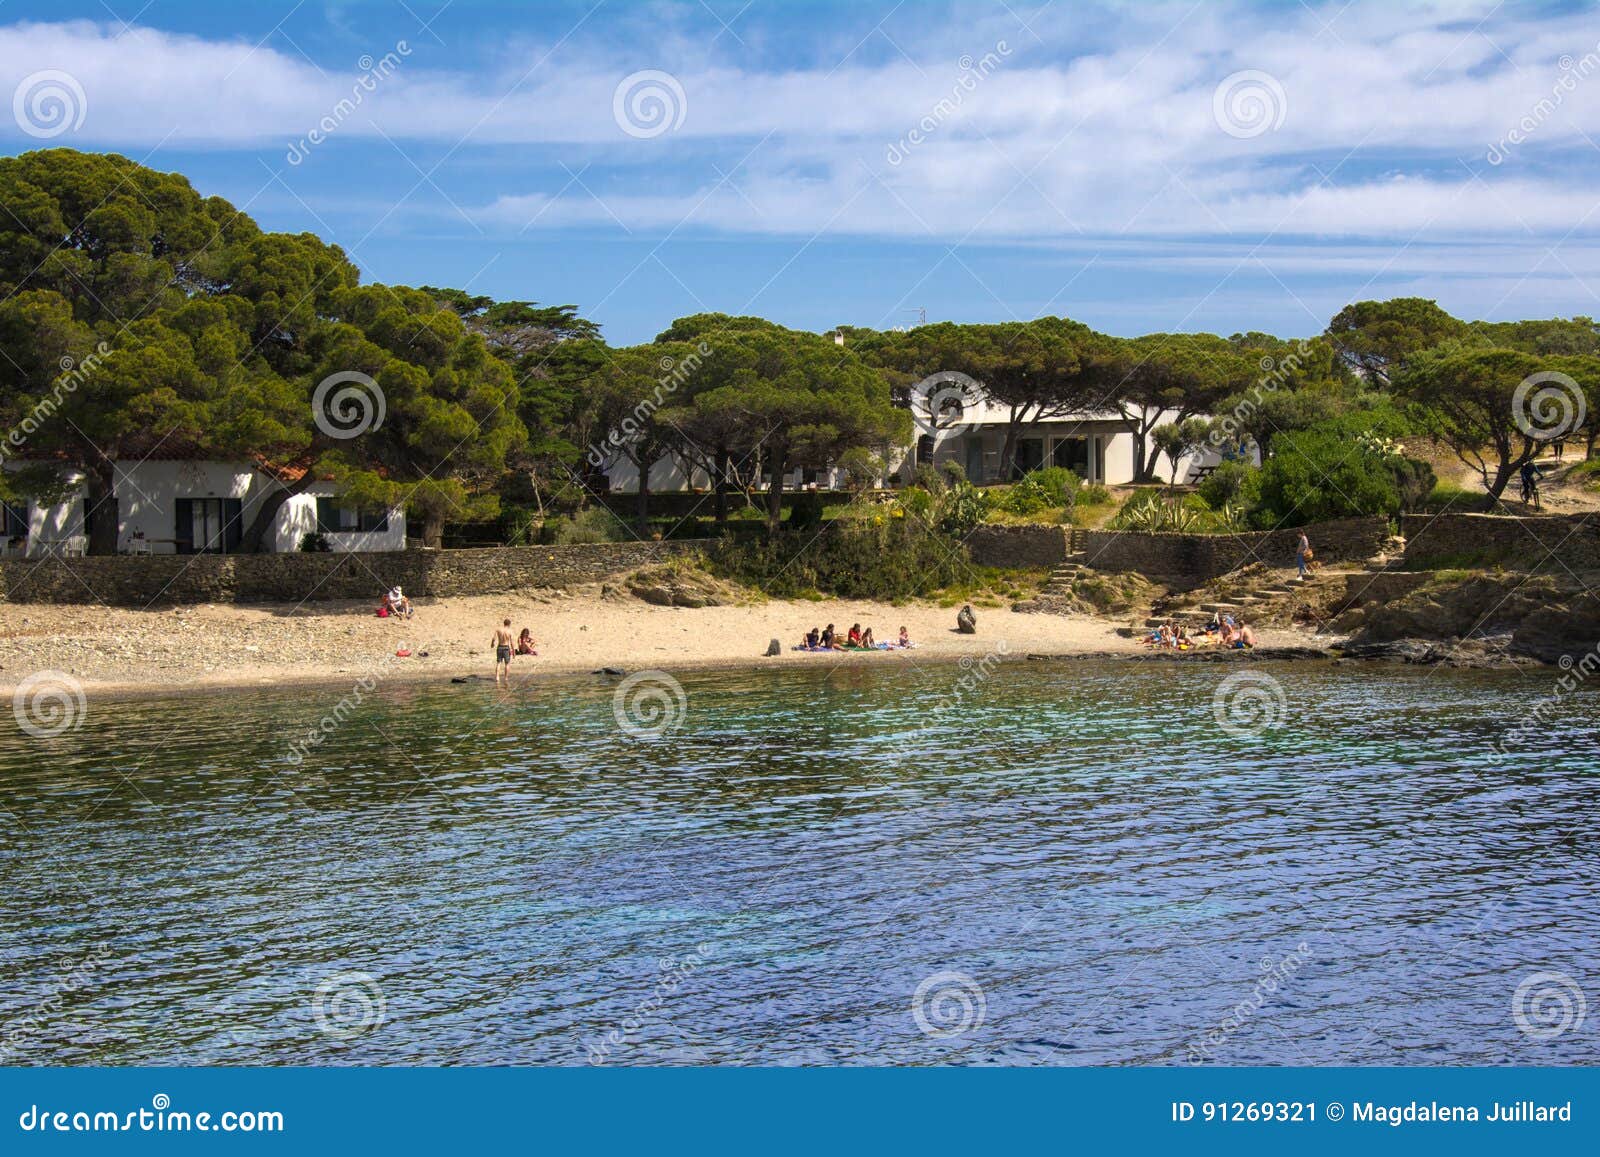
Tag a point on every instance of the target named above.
point(335, 518)
point(14, 520)
point(209, 525)
point(1073, 454)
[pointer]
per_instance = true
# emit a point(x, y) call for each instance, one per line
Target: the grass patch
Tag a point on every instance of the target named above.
point(1448, 496)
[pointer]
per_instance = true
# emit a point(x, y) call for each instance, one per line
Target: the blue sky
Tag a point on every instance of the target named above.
point(1139, 167)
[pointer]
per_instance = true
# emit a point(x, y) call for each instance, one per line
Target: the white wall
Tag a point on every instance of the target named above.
point(147, 494)
point(299, 518)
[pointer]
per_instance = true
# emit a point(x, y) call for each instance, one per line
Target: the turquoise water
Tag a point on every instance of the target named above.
point(1072, 861)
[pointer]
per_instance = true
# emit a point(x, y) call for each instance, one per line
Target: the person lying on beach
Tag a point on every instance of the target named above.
point(525, 643)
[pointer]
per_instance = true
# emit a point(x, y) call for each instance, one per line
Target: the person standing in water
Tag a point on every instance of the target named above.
point(502, 652)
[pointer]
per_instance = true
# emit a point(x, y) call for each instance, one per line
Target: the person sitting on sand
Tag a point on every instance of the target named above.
point(905, 637)
point(966, 621)
point(830, 641)
point(399, 606)
point(1245, 637)
point(525, 643)
point(853, 639)
point(867, 640)
point(813, 639)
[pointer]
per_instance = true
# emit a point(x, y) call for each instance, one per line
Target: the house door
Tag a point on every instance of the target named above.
point(1030, 456)
point(1072, 454)
point(208, 525)
point(974, 444)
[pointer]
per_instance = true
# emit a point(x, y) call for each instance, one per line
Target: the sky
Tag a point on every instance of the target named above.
point(1138, 167)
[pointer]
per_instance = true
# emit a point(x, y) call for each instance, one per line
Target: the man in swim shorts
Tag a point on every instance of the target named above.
point(502, 652)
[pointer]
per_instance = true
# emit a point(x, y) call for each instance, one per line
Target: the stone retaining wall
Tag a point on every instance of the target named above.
point(1540, 542)
point(246, 578)
point(1019, 546)
point(1199, 557)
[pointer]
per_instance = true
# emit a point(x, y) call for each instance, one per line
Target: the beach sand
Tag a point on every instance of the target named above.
point(109, 649)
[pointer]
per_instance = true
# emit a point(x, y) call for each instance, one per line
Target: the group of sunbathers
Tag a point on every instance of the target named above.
point(856, 639)
point(1221, 631)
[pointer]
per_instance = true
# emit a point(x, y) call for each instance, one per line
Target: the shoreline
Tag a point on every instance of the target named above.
point(117, 653)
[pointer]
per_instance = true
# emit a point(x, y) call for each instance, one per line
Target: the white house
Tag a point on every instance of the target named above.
point(971, 430)
point(183, 507)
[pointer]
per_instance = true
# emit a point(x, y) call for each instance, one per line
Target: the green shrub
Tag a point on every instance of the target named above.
point(915, 500)
point(1156, 511)
point(961, 508)
point(863, 469)
point(929, 478)
point(1038, 490)
point(1414, 479)
point(805, 513)
point(1314, 475)
point(1093, 494)
point(1231, 483)
point(314, 542)
point(1152, 511)
point(953, 472)
point(593, 524)
point(879, 558)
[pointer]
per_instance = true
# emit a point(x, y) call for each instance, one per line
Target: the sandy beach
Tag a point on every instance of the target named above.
point(115, 650)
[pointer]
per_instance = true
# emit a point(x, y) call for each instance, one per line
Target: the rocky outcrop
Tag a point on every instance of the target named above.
point(1479, 619)
point(676, 585)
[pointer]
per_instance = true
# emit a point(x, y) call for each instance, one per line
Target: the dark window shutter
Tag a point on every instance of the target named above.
point(184, 530)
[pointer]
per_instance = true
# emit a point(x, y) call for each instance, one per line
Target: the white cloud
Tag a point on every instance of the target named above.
point(1388, 115)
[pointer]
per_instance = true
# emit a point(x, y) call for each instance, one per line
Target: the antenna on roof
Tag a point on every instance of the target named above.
point(922, 314)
